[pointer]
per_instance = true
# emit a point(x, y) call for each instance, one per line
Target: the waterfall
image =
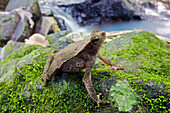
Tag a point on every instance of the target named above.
point(2, 54)
point(70, 23)
point(154, 13)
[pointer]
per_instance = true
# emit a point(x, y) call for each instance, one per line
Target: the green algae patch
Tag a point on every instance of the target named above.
point(124, 96)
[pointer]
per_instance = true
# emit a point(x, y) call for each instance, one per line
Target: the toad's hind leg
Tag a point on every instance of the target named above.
point(47, 66)
point(90, 89)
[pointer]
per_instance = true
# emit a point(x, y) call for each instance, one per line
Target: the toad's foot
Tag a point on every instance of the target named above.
point(91, 91)
point(45, 78)
point(89, 86)
point(100, 101)
point(117, 68)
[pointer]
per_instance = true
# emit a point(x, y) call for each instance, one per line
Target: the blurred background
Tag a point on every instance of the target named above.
point(19, 20)
point(112, 15)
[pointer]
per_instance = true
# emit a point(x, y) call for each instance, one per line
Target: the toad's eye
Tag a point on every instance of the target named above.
point(96, 40)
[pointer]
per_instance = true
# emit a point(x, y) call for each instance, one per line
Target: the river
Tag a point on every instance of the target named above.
point(160, 27)
point(155, 22)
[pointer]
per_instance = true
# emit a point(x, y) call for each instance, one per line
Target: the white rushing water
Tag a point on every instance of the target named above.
point(2, 54)
point(70, 23)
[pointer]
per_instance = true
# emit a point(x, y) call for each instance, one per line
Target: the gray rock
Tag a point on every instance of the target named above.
point(47, 23)
point(31, 5)
point(97, 11)
point(8, 24)
point(16, 24)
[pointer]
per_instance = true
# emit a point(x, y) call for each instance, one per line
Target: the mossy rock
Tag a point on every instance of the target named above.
point(145, 57)
point(10, 47)
point(147, 62)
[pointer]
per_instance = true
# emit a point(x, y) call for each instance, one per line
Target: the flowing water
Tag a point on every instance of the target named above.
point(160, 27)
point(70, 23)
point(156, 22)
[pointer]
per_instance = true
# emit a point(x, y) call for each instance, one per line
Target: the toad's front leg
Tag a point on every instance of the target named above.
point(108, 62)
point(89, 87)
point(47, 66)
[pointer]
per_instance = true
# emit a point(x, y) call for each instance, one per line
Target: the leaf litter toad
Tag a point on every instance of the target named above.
point(77, 56)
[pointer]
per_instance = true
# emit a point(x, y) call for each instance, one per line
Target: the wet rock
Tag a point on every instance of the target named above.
point(15, 25)
point(46, 24)
point(164, 39)
point(18, 21)
point(98, 11)
point(8, 23)
point(69, 38)
point(76, 36)
point(31, 5)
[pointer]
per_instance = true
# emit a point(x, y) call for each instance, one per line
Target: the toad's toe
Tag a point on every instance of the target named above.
point(100, 101)
point(48, 78)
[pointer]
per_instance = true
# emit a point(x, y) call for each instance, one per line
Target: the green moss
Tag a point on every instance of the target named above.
point(9, 47)
point(26, 93)
point(49, 38)
point(156, 104)
point(146, 58)
point(149, 55)
point(22, 51)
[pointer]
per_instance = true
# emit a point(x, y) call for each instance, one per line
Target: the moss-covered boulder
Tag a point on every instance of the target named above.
point(147, 86)
point(10, 47)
